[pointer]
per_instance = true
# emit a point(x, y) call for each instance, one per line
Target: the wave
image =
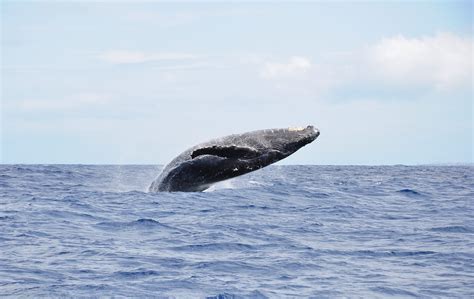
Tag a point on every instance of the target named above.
point(143, 223)
point(410, 192)
point(453, 229)
point(254, 295)
point(393, 291)
point(375, 253)
point(138, 274)
point(215, 247)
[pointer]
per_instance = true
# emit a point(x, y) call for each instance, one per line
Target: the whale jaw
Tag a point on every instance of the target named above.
point(203, 165)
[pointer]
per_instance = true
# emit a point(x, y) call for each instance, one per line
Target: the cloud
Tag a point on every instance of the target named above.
point(82, 100)
point(129, 57)
point(296, 66)
point(388, 68)
point(443, 61)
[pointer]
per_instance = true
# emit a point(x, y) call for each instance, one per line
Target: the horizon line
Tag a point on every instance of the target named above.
point(141, 164)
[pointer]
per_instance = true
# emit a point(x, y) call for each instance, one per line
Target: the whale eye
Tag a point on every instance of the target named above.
point(231, 152)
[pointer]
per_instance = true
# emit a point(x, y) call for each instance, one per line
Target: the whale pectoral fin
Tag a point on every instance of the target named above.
point(231, 152)
point(263, 160)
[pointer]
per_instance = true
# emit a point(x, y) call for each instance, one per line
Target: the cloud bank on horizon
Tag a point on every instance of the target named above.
point(386, 83)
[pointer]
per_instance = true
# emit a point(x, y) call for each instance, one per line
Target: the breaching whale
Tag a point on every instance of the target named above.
point(223, 158)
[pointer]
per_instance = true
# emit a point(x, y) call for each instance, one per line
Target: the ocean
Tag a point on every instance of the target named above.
point(280, 232)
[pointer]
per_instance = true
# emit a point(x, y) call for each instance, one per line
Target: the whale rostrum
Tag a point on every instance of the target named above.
point(223, 158)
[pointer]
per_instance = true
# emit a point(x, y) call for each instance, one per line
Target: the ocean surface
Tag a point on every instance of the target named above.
point(283, 231)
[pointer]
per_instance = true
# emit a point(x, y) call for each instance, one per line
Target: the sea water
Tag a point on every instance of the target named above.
point(283, 231)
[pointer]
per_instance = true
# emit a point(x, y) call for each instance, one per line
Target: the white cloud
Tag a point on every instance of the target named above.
point(396, 64)
point(124, 57)
point(296, 66)
point(443, 61)
point(81, 100)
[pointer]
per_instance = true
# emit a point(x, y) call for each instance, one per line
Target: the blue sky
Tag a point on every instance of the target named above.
point(124, 82)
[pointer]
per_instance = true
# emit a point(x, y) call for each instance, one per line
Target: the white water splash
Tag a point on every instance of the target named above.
point(227, 184)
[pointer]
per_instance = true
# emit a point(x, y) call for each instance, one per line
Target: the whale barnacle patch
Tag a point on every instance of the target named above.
point(295, 129)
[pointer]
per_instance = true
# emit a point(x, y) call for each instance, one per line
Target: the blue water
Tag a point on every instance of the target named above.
point(283, 231)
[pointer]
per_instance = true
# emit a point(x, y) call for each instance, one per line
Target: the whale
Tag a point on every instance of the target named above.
point(205, 164)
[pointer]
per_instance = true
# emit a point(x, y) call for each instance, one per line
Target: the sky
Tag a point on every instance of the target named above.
point(127, 82)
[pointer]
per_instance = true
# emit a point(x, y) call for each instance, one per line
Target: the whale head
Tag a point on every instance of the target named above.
point(220, 159)
point(287, 141)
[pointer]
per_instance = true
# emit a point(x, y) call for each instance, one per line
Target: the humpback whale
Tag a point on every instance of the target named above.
point(223, 158)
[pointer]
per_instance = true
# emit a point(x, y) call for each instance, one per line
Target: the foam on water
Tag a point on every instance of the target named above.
point(283, 231)
point(227, 184)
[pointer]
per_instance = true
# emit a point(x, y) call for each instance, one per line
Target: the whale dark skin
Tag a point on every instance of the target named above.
point(223, 158)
